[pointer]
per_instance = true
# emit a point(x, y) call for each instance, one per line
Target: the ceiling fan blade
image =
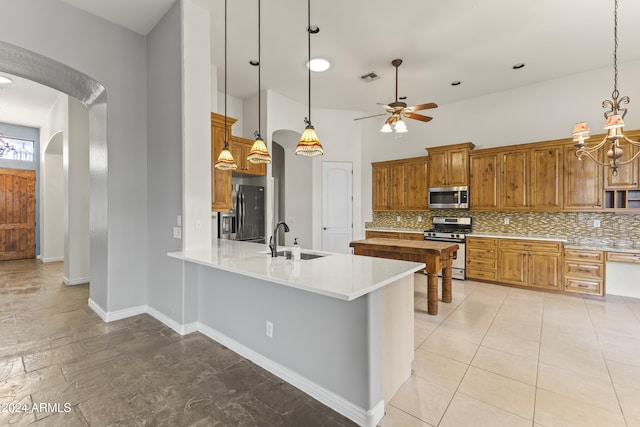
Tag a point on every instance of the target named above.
point(418, 117)
point(368, 117)
point(382, 104)
point(421, 107)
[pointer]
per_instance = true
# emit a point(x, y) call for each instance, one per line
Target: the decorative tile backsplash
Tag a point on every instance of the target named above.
point(576, 227)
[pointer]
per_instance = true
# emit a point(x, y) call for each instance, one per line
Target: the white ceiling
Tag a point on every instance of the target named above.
point(24, 102)
point(474, 41)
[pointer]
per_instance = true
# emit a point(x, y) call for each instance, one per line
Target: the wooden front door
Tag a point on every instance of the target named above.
point(17, 214)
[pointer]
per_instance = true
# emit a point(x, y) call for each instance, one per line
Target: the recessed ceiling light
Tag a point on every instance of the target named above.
point(456, 83)
point(518, 66)
point(319, 65)
point(4, 80)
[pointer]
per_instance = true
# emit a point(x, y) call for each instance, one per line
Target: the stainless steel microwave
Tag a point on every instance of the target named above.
point(449, 197)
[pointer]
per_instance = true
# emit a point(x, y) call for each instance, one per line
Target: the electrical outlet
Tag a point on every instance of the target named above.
point(506, 221)
point(177, 233)
point(269, 329)
point(596, 223)
point(398, 218)
point(419, 219)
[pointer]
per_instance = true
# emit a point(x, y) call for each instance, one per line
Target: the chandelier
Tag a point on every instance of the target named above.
point(5, 147)
point(614, 116)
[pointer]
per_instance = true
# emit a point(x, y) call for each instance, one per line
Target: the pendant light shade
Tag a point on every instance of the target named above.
point(259, 152)
point(225, 159)
point(309, 144)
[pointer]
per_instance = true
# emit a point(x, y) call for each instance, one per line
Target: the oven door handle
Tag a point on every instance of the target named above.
point(445, 240)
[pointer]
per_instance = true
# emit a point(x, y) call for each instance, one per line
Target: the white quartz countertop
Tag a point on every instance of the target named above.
point(518, 236)
point(341, 276)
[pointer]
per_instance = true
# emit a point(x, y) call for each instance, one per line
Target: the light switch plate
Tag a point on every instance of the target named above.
point(177, 232)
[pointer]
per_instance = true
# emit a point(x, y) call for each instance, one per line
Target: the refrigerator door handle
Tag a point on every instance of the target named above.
point(242, 207)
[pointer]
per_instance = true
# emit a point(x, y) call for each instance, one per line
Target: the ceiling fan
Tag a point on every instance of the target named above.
point(400, 110)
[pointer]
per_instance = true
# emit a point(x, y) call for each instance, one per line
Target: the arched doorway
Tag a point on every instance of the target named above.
point(29, 65)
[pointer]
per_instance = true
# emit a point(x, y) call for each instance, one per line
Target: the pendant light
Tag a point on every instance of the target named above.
point(259, 152)
point(225, 159)
point(309, 144)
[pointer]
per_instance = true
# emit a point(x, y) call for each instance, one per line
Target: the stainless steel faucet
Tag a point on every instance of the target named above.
point(273, 240)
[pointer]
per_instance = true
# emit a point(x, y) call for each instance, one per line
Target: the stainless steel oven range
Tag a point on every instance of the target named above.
point(452, 230)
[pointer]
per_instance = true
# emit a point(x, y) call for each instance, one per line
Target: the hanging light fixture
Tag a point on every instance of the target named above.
point(614, 121)
point(259, 152)
point(5, 147)
point(309, 144)
point(225, 159)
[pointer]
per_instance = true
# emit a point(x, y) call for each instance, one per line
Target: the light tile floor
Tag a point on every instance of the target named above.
point(500, 356)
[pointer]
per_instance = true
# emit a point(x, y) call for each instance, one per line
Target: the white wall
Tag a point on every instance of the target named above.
point(234, 110)
point(537, 112)
point(52, 202)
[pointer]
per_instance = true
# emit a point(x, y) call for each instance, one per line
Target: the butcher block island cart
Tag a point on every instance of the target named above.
point(436, 256)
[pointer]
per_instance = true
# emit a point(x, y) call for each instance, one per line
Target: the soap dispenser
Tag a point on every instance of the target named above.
point(295, 250)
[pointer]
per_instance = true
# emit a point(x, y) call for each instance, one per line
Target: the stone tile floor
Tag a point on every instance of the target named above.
point(496, 356)
point(133, 372)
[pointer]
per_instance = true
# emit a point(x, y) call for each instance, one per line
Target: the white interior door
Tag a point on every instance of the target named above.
point(337, 206)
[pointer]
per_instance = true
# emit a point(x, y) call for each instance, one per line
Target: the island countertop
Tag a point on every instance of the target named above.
point(341, 276)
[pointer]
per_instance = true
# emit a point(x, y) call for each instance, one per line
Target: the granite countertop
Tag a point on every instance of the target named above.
point(614, 246)
point(342, 276)
point(519, 236)
point(397, 230)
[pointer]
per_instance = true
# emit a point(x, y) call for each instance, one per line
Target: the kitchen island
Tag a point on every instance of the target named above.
point(436, 256)
point(339, 327)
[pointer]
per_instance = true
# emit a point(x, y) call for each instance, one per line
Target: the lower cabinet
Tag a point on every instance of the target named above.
point(404, 235)
point(481, 258)
point(584, 272)
point(530, 263)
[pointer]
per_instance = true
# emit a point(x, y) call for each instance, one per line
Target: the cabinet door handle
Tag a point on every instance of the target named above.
point(583, 286)
point(583, 270)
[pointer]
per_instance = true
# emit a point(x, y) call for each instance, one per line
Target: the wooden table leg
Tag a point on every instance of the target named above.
point(433, 266)
point(446, 284)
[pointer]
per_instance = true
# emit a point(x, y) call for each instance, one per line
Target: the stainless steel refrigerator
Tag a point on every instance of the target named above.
point(245, 220)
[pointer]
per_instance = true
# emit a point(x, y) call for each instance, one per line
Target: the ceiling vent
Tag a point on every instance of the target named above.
point(370, 77)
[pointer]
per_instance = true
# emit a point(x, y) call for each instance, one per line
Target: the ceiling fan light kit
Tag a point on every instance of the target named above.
point(614, 121)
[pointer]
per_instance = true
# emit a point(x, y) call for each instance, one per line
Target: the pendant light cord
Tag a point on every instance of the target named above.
point(615, 93)
point(259, 67)
point(226, 144)
point(309, 52)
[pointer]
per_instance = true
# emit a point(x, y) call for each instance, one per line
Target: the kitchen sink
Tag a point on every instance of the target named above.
point(303, 255)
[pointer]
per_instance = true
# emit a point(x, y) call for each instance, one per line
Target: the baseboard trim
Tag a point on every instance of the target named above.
point(360, 416)
point(178, 327)
point(80, 281)
point(355, 413)
point(54, 259)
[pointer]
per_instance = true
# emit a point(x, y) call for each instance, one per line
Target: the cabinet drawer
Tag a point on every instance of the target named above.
point(592, 287)
point(383, 234)
point(584, 270)
point(481, 263)
point(412, 236)
point(485, 253)
point(623, 257)
point(530, 245)
point(472, 273)
point(584, 255)
point(482, 242)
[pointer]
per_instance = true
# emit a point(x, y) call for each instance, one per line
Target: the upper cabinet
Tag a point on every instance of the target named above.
point(627, 177)
point(240, 149)
point(582, 181)
point(449, 165)
point(400, 184)
point(516, 178)
point(220, 179)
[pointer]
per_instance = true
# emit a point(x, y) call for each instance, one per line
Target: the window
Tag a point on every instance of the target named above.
point(16, 149)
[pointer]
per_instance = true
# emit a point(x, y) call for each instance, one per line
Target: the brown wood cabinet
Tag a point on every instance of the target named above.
point(240, 149)
point(481, 258)
point(220, 179)
point(400, 184)
point(546, 170)
point(514, 180)
point(582, 181)
point(530, 263)
point(484, 169)
point(584, 272)
point(449, 165)
point(627, 177)
point(404, 235)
